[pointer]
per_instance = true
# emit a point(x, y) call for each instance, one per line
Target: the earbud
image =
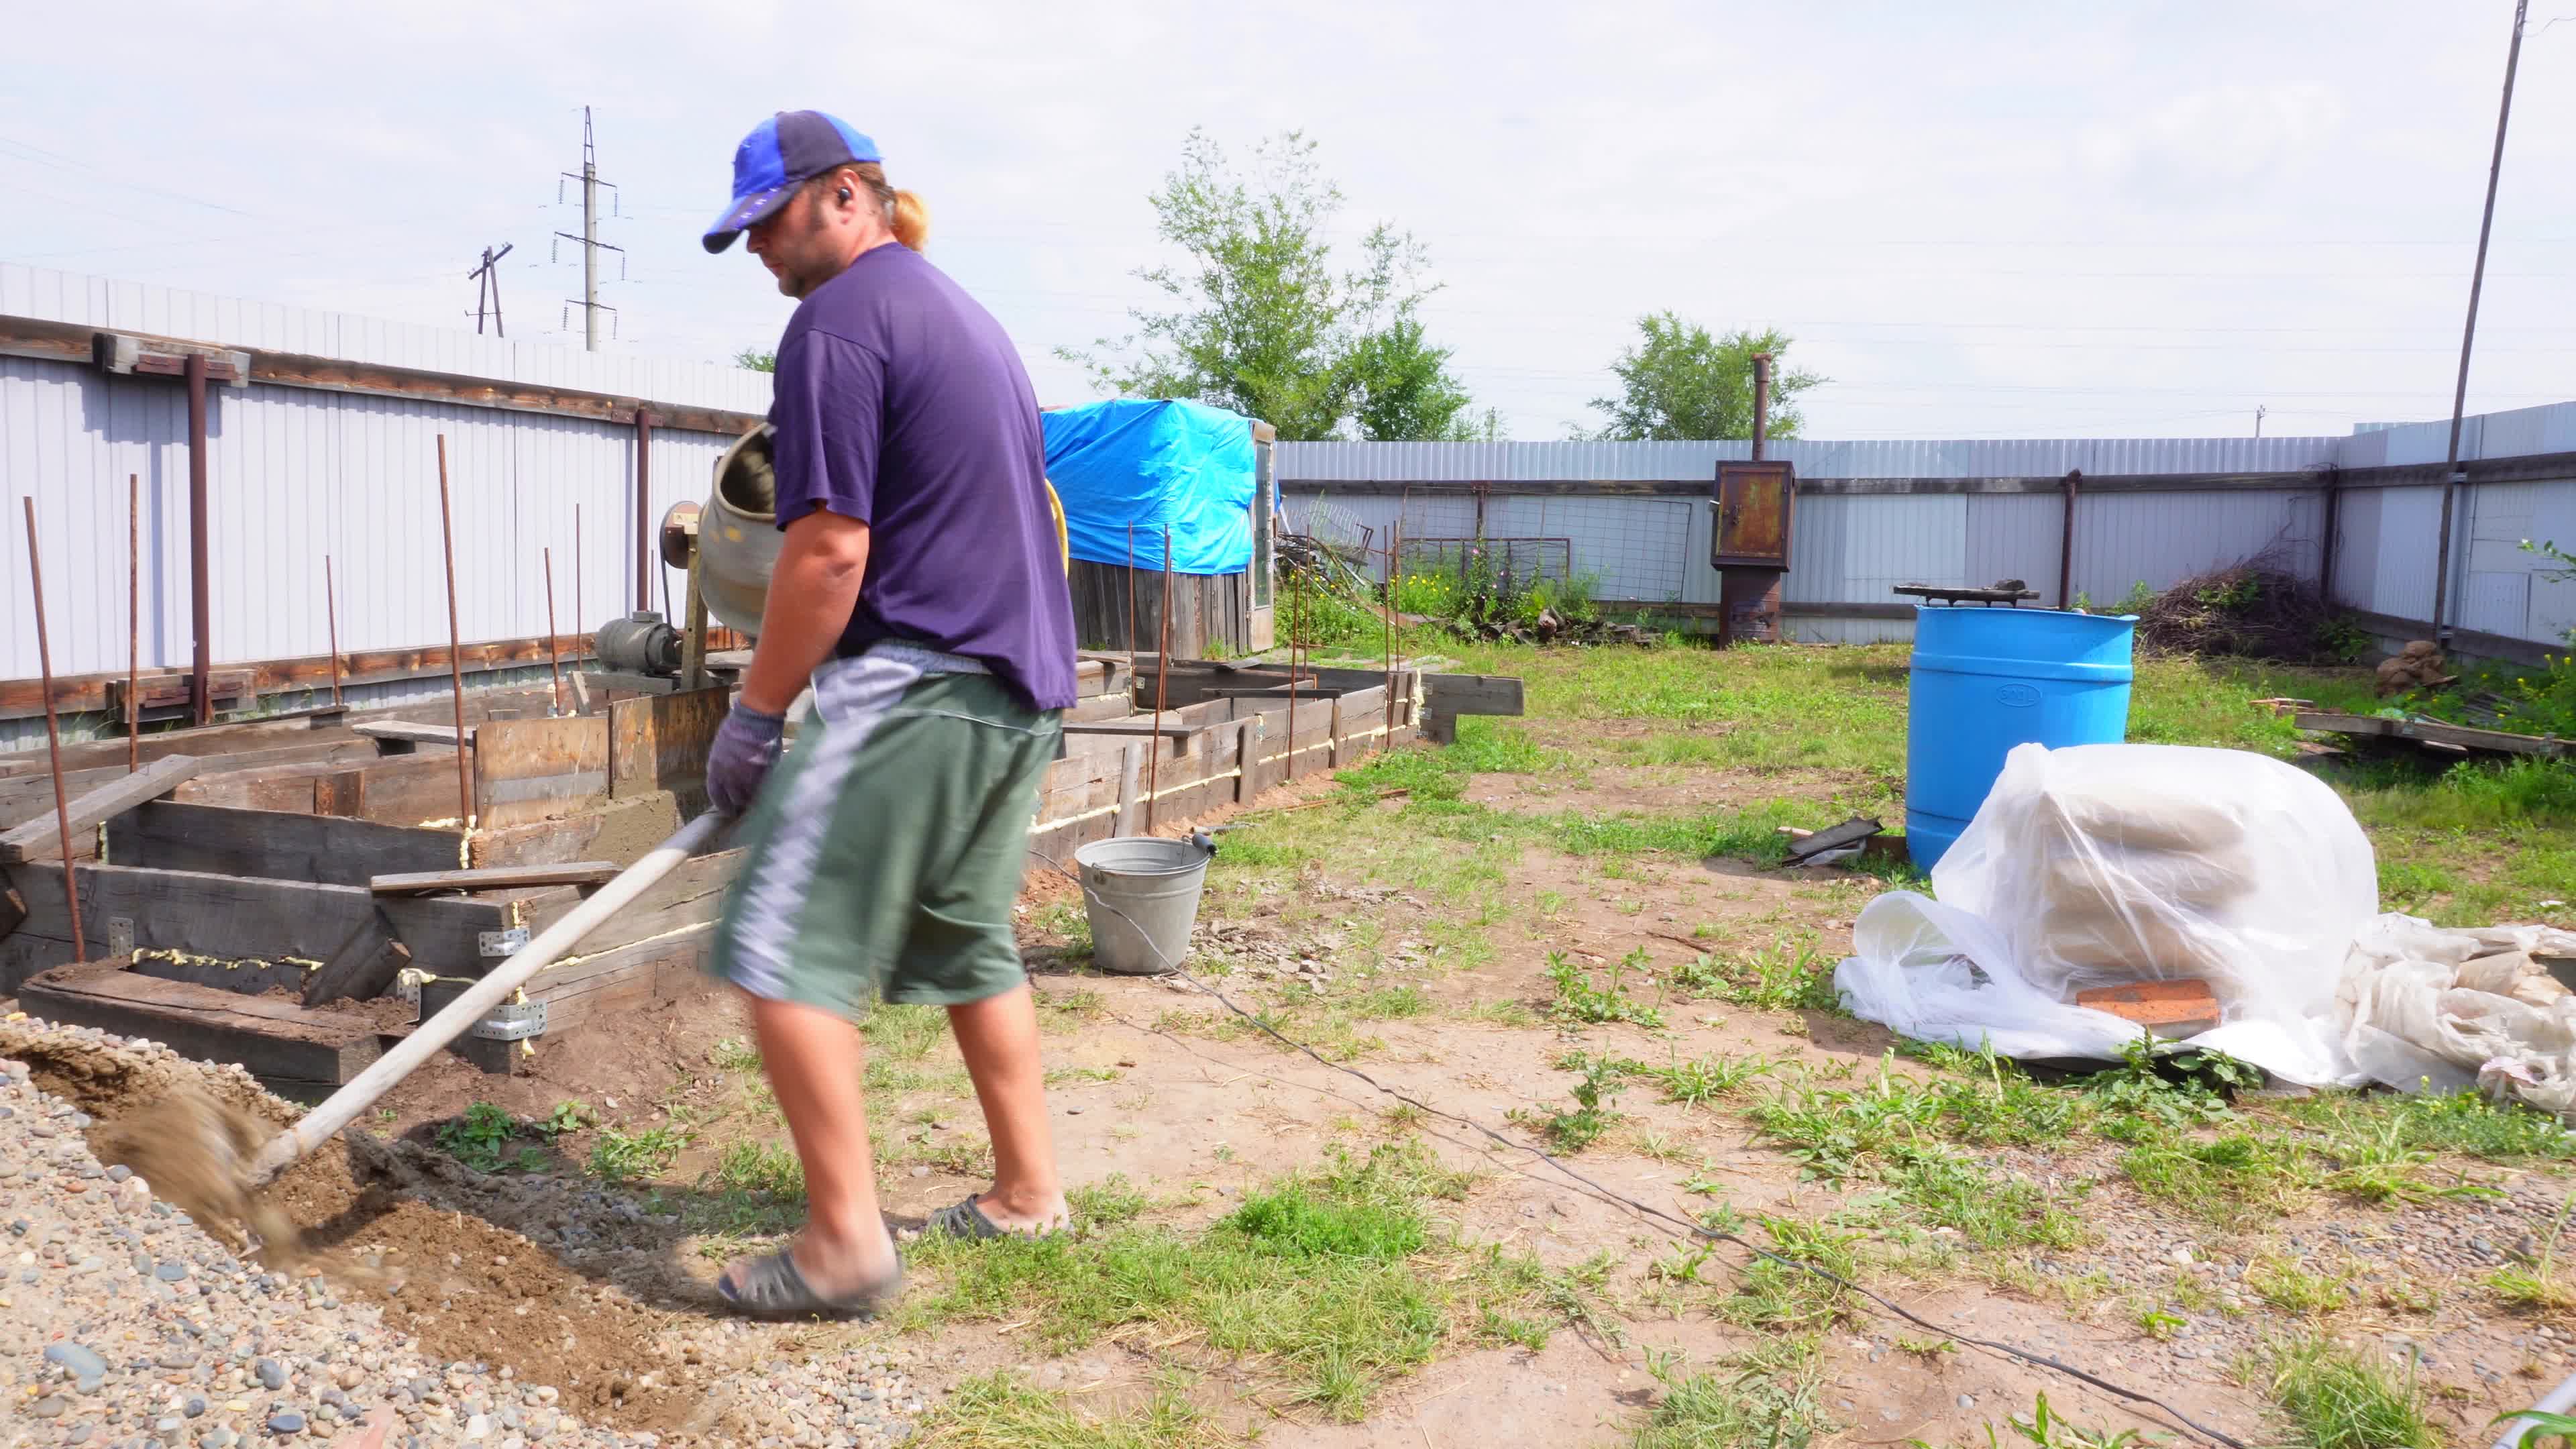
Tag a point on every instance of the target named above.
point(845, 196)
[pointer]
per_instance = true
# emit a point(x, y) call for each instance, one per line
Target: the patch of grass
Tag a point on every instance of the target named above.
point(733, 1054)
point(1108, 1203)
point(621, 1156)
point(1783, 1297)
point(1501, 1013)
point(904, 1031)
point(768, 1168)
point(2336, 1399)
point(1790, 974)
point(2159, 1324)
point(1573, 1129)
point(2044, 1428)
point(1730, 1410)
point(2537, 1284)
point(1335, 1280)
point(477, 1135)
point(1387, 1003)
point(1580, 998)
point(2228, 1180)
point(1003, 1411)
point(2462, 1122)
point(2293, 1289)
point(1705, 1079)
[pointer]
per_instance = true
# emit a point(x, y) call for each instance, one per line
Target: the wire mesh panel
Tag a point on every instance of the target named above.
point(1512, 562)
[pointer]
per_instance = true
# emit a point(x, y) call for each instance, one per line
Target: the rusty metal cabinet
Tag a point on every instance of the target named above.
point(1754, 505)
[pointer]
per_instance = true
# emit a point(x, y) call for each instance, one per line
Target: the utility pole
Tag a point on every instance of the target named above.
point(488, 283)
point(2259, 411)
point(2452, 477)
point(591, 245)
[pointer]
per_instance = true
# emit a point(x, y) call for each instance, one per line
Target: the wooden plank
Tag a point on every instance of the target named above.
point(419, 734)
point(689, 896)
point(1131, 765)
point(443, 933)
point(398, 790)
point(621, 831)
point(634, 974)
point(163, 689)
point(538, 769)
point(493, 877)
point(275, 1039)
point(2429, 732)
point(1472, 693)
point(213, 742)
point(660, 742)
point(1170, 729)
point(25, 796)
point(278, 845)
point(41, 838)
point(225, 931)
point(20, 698)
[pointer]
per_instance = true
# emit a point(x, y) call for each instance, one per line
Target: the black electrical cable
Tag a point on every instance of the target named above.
point(1644, 1210)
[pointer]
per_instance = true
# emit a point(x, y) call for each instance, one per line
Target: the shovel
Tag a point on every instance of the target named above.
point(343, 1106)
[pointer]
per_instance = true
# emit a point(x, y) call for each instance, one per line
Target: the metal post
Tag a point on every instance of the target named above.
point(580, 649)
point(54, 738)
point(553, 662)
point(2326, 547)
point(643, 509)
point(133, 620)
point(455, 651)
point(1761, 402)
point(331, 614)
point(1296, 600)
point(1394, 551)
point(2066, 542)
point(1162, 678)
point(2452, 476)
point(589, 239)
point(200, 608)
point(1131, 606)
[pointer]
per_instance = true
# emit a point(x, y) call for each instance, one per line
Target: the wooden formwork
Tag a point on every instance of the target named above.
point(247, 915)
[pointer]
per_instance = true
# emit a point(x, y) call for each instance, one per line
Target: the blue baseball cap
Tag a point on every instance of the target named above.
point(781, 154)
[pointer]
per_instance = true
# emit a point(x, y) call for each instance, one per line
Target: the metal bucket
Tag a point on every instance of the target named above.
point(738, 536)
point(1141, 893)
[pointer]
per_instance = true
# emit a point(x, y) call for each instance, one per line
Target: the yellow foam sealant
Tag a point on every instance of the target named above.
point(191, 958)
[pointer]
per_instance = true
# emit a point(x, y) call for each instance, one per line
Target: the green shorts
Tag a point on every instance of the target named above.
point(886, 849)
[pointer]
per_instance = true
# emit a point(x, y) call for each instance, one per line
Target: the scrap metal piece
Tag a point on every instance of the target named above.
point(1850, 834)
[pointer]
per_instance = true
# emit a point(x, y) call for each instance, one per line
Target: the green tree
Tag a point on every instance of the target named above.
point(756, 359)
point(1259, 319)
point(1679, 383)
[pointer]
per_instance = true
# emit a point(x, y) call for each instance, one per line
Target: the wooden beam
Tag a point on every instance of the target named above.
point(274, 844)
point(418, 734)
point(272, 1038)
point(660, 742)
point(40, 839)
point(538, 769)
point(621, 831)
point(2457, 737)
point(493, 878)
point(689, 896)
point(24, 796)
point(24, 698)
point(1131, 728)
point(214, 742)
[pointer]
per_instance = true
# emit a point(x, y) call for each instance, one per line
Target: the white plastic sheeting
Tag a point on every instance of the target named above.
point(2445, 1009)
point(2100, 865)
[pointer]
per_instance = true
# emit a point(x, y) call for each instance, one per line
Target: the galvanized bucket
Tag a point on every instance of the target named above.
point(1141, 893)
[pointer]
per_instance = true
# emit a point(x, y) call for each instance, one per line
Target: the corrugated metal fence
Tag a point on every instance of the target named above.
point(1875, 514)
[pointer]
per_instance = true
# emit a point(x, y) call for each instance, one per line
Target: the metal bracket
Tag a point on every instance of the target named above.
point(120, 935)
point(501, 943)
point(511, 1023)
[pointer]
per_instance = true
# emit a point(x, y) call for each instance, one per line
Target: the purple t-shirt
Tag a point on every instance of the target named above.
point(901, 403)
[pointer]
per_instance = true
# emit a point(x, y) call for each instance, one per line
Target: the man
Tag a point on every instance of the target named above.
point(920, 586)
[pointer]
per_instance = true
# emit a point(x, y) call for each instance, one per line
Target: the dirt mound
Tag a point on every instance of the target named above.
point(2254, 610)
point(416, 1234)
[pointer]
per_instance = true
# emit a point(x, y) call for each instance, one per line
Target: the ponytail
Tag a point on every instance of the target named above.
point(911, 219)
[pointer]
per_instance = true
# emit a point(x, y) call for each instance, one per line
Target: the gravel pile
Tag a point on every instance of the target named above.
point(125, 1326)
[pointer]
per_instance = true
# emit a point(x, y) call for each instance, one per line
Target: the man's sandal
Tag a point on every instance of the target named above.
point(772, 1287)
point(966, 1221)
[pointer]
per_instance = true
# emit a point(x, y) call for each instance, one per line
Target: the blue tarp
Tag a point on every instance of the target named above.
point(1154, 465)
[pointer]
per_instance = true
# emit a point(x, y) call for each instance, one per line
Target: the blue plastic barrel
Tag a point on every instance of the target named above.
point(1985, 680)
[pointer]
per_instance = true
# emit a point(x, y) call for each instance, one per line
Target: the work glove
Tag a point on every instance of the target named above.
point(746, 745)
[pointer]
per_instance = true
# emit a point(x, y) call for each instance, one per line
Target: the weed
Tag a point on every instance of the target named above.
point(2538, 1285)
point(2046, 1429)
point(733, 1054)
point(2335, 1399)
point(1386, 1003)
point(2226, 1180)
point(2160, 1325)
point(1528, 1333)
point(620, 1156)
point(2536, 1427)
point(1579, 998)
point(770, 1168)
point(1787, 975)
point(1778, 1295)
point(1502, 1013)
point(1705, 1079)
point(2293, 1289)
point(1725, 1410)
point(565, 1119)
point(1573, 1130)
point(1931, 1348)
point(1003, 1411)
point(477, 1137)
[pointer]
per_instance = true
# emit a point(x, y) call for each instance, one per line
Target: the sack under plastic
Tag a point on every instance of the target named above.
point(2100, 865)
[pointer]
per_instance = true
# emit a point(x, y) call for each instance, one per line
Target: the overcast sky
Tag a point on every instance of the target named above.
point(1977, 219)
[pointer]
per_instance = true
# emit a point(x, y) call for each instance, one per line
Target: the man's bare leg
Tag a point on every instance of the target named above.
point(998, 1036)
point(813, 1060)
